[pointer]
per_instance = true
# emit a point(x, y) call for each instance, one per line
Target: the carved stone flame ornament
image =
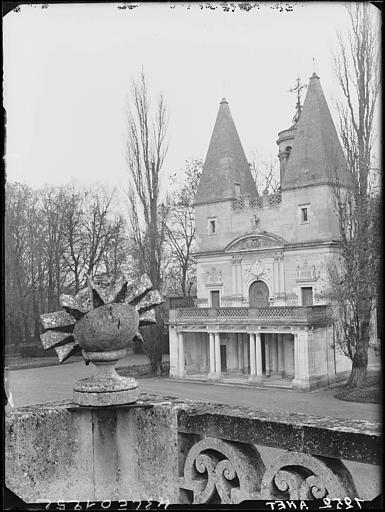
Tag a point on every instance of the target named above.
point(99, 322)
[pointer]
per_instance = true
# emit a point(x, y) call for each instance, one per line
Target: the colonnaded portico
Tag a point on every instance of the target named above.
point(255, 355)
point(250, 352)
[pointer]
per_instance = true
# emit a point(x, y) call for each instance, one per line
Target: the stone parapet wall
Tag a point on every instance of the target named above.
point(182, 451)
point(63, 452)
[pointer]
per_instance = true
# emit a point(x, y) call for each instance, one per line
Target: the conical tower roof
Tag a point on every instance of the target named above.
point(317, 153)
point(225, 163)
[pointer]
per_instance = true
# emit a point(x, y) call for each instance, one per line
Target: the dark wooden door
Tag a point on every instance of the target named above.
point(259, 295)
point(223, 358)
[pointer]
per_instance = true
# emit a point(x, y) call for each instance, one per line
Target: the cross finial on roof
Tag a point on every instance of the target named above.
point(297, 89)
point(314, 75)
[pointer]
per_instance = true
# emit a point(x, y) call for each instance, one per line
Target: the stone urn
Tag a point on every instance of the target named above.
point(99, 323)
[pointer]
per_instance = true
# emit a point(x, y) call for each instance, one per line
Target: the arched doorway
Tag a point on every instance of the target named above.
point(258, 295)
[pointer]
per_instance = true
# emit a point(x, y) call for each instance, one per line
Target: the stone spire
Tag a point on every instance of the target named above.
point(317, 154)
point(226, 173)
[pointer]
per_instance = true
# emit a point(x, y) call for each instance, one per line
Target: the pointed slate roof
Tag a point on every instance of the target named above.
point(317, 153)
point(225, 162)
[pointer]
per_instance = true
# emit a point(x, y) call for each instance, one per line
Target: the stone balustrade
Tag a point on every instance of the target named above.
point(296, 315)
point(182, 451)
point(250, 203)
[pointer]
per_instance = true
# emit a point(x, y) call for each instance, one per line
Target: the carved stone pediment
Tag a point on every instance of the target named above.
point(255, 241)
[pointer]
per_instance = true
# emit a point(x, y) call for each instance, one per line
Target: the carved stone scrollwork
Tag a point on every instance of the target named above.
point(213, 276)
point(218, 471)
point(298, 476)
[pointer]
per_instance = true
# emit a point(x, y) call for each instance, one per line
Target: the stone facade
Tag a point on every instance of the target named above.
point(262, 312)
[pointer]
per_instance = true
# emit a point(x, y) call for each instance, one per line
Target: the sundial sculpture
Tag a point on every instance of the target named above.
point(99, 322)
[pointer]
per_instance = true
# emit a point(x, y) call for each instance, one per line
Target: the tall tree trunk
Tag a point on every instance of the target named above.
point(359, 368)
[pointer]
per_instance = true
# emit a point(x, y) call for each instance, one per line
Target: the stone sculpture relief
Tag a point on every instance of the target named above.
point(255, 224)
point(257, 268)
point(299, 476)
point(229, 470)
point(218, 471)
point(254, 243)
point(213, 276)
point(306, 272)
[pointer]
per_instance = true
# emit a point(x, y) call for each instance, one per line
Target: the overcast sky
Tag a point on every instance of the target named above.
point(68, 70)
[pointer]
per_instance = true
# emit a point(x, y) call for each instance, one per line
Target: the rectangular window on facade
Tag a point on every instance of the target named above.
point(212, 226)
point(304, 213)
point(215, 299)
point(237, 187)
point(307, 296)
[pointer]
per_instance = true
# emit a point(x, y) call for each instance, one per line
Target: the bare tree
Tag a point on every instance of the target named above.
point(354, 274)
point(115, 255)
point(101, 227)
point(146, 149)
point(265, 174)
point(54, 236)
point(18, 282)
point(74, 237)
point(52, 207)
point(180, 228)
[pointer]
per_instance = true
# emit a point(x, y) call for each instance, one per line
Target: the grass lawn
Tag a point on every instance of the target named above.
point(370, 392)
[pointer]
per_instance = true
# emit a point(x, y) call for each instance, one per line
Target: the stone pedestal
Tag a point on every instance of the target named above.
point(106, 387)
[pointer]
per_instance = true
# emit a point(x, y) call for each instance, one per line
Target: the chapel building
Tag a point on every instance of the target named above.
point(262, 316)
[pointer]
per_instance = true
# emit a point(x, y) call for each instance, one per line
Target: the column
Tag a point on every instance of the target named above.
point(252, 356)
point(245, 355)
point(296, 364)
point(267, 354)
point(240, 351)
point(280, 353)
point(258, 355)
point(281, 276)
point(174, 352)
point(182, 371)
point(217, 349)
point(212, 355)
point(274, 352)
point(239, 281)
point(276, 276)
point(202, 364)
point(301, 360)
point(233, 276)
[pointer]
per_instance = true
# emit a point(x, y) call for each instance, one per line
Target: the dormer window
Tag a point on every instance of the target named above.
point(237, 187)
point(212, 226)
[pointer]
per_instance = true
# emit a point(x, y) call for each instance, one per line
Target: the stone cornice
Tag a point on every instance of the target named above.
point(290, 246)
